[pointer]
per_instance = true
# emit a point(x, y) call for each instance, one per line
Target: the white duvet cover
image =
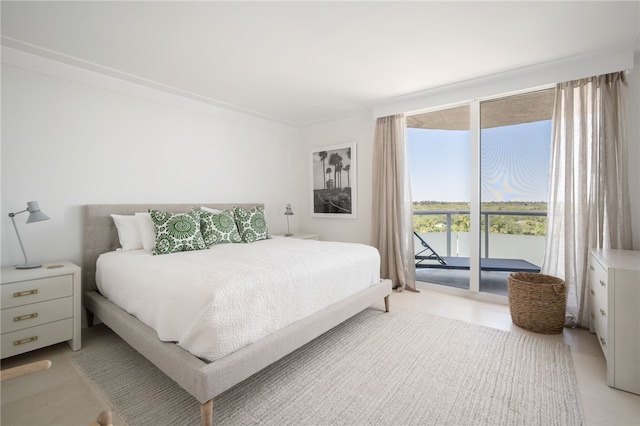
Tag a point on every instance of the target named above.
point(213, 302)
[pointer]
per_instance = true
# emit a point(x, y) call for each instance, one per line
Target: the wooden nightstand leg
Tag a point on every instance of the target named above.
point(386, 303)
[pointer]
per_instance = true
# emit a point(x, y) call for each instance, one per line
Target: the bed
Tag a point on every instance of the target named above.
point(201, 378)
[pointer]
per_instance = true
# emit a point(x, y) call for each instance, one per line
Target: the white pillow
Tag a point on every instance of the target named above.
point(210, 210)
point(128, 232)
point(147, 231)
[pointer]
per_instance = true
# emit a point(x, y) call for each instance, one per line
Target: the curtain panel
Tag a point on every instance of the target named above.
point(392, 210)
point(589, 192)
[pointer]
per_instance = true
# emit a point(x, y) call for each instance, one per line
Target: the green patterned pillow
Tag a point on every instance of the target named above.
point(218, 228)
point(176, 231)
point(252, 224)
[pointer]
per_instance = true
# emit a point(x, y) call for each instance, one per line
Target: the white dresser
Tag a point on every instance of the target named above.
point(40, 307)
point(614, 284)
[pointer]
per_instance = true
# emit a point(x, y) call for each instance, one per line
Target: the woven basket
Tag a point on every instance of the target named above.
point(537, 302)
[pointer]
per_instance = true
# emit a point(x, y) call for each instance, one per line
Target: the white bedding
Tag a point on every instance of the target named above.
point(213, 302)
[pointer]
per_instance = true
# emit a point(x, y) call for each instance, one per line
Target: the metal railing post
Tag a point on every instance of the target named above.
point(486, 235)
point(449, 234)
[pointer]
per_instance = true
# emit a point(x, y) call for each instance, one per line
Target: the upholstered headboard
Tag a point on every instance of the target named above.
point(99, 234)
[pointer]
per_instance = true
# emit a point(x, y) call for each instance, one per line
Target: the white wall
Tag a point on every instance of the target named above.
point(72, 137)
point(357, 128)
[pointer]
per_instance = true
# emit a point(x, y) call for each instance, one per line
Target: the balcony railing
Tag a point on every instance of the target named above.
point(487, 224)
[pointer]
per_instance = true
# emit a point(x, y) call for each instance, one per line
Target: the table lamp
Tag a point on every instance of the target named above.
point(35, 215)
point(288, 212)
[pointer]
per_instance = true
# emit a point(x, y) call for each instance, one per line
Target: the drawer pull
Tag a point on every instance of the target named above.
point(603, 341)
point(25, 317)
point(23, 341)
point(602, 283)
point(602, 312)
point(591, 267)
point(593, 292)
point(593, 316)
point(25, 293)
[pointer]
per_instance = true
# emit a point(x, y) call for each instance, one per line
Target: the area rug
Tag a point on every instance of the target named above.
point(399, 368)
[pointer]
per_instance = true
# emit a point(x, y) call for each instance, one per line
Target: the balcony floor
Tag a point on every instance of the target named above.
point(491, 282)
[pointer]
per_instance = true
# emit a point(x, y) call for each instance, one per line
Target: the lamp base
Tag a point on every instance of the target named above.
point(288, 235)
point(28, 266)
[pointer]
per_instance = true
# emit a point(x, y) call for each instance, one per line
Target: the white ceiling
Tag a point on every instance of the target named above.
point(305, 62)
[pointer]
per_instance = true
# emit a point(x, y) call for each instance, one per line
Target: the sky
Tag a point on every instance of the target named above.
point(514, 163)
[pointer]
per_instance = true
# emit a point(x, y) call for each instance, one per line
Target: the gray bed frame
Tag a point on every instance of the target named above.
point(203, 380)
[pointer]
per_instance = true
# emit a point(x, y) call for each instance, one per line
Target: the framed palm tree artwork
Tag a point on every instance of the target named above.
point(333, 180)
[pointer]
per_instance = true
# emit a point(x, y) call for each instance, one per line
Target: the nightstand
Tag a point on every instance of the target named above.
point(303, 236)
point(40, 307)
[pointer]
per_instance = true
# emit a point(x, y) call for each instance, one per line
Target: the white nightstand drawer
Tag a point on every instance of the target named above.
point(38, 337)
point(32, 291)
point(40, 307)
point(35, 314)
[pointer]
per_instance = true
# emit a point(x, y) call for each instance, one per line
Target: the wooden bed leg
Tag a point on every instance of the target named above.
point(206, 412)
point(89, 317)
point(386, 303)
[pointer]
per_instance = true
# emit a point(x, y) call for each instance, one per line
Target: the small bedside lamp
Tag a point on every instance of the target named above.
point(35, 215)
point(288, 212)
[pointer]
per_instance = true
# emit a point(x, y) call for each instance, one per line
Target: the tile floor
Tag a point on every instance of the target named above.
point(61, 396)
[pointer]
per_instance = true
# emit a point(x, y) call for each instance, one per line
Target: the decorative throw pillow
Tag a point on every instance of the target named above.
point(218, 228)
point(176, 231)
point(252, 224)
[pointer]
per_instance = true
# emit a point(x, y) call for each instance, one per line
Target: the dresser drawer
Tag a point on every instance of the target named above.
point(598, 280)
point(598, 288)
point(601, 326)
point(38, 290)
point(35, 314)
point(38, 337)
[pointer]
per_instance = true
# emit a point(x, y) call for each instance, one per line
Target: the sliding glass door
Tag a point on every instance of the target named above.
point(439, 163)
point(515, 146)
point(479, 177)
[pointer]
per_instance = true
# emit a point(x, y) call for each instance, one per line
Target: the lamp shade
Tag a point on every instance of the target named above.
point(35, 214)
point(288, 210)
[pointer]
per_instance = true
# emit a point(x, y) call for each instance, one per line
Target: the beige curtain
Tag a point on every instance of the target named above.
point(589, 193)
point(392, 216)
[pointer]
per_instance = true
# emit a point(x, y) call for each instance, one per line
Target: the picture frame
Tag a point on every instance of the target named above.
point(333, 181)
